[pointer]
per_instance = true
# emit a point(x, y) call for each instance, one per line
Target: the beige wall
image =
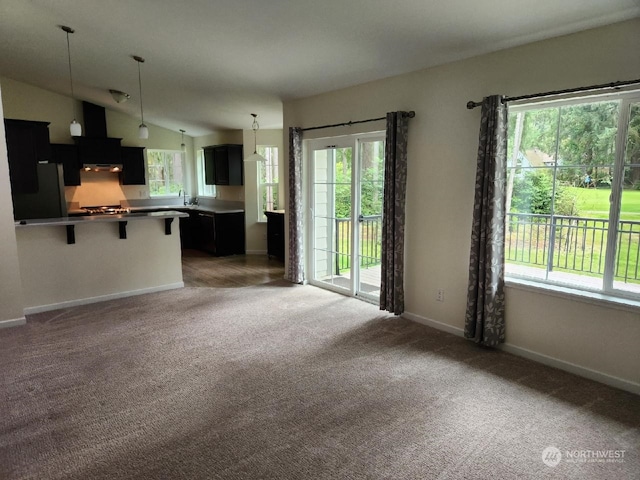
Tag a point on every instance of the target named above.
point(256, 231)
point(442, 154)
point(11, 306)
point(99, 264)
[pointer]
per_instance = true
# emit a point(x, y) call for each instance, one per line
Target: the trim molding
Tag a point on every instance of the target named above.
point(579, 370)
point(256, 252)
point(14, 322)
point(433, 323)
point(101, 298)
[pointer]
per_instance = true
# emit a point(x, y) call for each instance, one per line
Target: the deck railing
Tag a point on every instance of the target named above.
point(572, 244)
point(370, 235)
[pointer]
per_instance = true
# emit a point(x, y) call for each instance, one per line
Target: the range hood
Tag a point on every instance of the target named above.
point(102, 167)
point(98, 153)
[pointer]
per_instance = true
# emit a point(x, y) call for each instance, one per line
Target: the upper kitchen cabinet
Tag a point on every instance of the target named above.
point(223, 165)
point(27, 144)
point(133, 172)
point(68, 156)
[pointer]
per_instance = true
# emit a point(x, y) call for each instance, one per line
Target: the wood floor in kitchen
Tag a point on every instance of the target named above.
point(200, 269)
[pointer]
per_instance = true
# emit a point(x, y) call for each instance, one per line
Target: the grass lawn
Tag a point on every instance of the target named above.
point(581, 247)
point(594, 203)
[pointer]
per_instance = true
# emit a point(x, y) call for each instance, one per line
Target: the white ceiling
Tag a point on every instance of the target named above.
point(209, 64)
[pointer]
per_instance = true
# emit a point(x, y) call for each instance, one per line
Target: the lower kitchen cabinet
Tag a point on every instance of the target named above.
point(275, 234)
point(221, 233)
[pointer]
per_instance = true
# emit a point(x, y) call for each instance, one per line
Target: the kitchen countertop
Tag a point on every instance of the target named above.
point(43, 222)
point(191, 208)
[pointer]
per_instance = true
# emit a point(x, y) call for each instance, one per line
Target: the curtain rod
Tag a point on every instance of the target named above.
point(410, 114)
point(471, 104)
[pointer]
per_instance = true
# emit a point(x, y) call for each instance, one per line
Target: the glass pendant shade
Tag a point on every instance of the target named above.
point(75, 128)
point(255, 157)
point(143, 131)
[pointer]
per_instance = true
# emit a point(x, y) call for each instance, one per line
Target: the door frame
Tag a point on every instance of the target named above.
point(352, 141)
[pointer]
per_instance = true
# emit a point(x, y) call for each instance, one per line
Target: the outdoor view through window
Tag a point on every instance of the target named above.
point(165, 172)
point(573, 194)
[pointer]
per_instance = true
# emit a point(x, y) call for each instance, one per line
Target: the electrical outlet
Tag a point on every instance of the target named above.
point(440, 295)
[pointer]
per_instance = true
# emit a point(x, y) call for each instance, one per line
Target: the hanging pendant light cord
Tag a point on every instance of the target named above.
point(69, 30)
point(69, 57)
point(139, 60)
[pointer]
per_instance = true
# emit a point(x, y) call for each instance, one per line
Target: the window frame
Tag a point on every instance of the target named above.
point(262, 218)
point(607, 293)
point(167, 185)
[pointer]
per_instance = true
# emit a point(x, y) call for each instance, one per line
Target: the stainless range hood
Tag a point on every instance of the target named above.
point(102, 167)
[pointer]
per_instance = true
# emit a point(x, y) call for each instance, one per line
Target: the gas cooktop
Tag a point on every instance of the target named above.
point(106, 210)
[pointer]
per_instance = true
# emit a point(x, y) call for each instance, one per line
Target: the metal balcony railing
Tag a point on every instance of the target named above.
point(575, 244)
point(370, 241)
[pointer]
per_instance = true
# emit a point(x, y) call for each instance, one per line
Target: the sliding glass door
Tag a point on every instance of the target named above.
point(347, 178)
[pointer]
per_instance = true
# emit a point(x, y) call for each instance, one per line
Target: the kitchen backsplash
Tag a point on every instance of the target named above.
point(102, 188)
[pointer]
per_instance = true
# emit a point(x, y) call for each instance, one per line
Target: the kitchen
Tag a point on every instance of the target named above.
point(138, 264)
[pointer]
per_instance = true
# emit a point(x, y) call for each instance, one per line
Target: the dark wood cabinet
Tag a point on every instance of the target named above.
point(68, 156)
point(189, 230)
point(221, 233)
point(99, 150)
point(223, 165)
point(133, 171)
point(27, 144)
point(275, 234)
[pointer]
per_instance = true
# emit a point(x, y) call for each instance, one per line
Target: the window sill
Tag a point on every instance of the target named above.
point(594, 298)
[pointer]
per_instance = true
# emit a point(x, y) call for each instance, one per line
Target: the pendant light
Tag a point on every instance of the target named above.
point(143, 131)
point(183, 146)
point(254, 157)
point(74, 128)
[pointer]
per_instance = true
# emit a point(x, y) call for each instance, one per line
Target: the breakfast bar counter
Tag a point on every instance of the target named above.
point(71, 261)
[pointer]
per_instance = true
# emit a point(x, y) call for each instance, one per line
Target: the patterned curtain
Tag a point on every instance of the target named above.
point(484, 321)
point(395, 181)
point(295, 270)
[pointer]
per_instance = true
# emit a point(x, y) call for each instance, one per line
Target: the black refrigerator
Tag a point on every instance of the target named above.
point(49, 201)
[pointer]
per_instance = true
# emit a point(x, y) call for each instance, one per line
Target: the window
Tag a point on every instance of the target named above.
point(573, 194)
point(165, 168)
point(204, 190)
point(267, 181)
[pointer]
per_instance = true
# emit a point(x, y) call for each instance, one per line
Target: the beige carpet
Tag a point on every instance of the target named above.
point(287, 382)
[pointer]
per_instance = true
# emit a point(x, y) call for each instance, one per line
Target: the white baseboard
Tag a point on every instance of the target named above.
point(581, 371)
point(13, 322)
point(101, 298)
point(433, 323)
point(256, 252)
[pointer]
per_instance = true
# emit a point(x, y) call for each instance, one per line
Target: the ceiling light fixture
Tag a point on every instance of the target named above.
point(183, 146)
point(143, 131)
point(255, 157)
point(118, 96)
point(75, 128)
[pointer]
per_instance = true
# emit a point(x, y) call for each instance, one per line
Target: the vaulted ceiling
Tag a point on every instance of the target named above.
point(209, 64)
